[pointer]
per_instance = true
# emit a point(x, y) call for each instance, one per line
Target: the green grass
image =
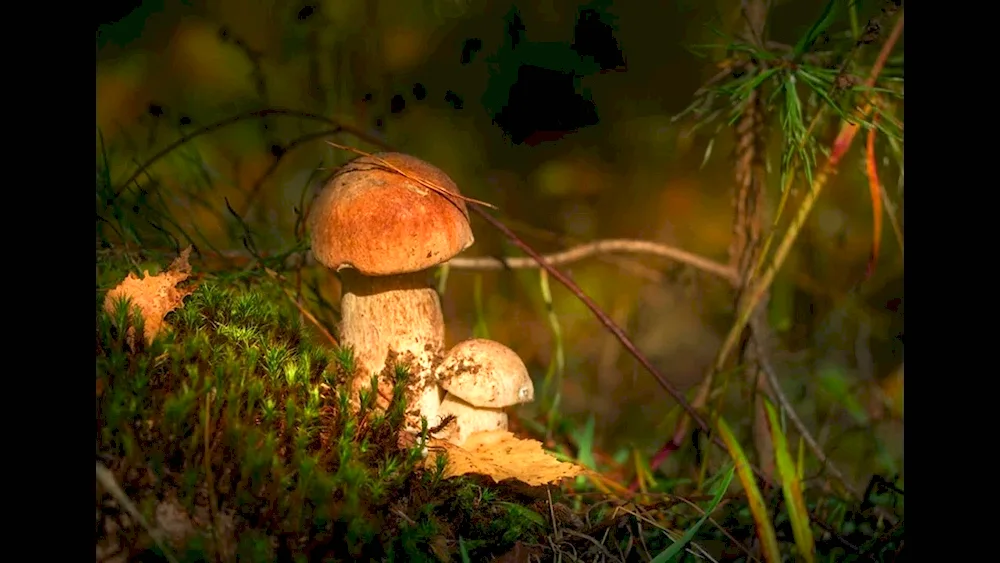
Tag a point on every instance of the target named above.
point(237, 407)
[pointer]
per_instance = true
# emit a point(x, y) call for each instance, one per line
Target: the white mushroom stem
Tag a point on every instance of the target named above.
point(470, 419)
point(399, 313)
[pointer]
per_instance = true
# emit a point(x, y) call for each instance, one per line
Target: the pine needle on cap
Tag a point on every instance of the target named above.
point(429, 185)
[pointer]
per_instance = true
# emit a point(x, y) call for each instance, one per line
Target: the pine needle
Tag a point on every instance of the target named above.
point(430, 185)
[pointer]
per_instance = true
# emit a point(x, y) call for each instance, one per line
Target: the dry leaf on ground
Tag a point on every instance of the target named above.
point(154, 296)
point(500, 455)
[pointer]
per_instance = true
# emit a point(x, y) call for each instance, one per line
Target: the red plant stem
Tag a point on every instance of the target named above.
point(839, 148)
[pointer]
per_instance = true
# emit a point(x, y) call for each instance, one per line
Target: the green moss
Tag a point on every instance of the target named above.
point(239, 407)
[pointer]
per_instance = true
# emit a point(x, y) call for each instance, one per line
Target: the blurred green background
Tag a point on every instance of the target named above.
point(167, 68)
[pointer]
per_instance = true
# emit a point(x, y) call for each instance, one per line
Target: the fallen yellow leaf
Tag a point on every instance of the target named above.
point(154, 296)
point(500, 455)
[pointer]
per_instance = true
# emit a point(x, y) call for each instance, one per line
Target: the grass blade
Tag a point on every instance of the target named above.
point(552, 386)
point(585, 444)
point(821, 25)
point(796, 134)
point(107, 480)
point(800, 469)
point(677, 547)
point(480, 330)
point(765, 530)
point(643, 472)
point(791, 487)
point(755, 82)
point(821, 87)
point(463, 552)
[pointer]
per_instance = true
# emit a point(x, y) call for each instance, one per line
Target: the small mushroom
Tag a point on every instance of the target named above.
point(382, 232)
point(481, 377)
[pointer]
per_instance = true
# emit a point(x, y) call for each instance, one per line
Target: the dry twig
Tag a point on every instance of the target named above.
point(606, 246)
point(107, 480)
point(257, 114)
point(772, 379)
point(427, 184)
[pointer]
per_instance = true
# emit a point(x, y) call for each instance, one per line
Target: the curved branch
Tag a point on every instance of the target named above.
point(243, 117)
point(293, 144)
point(608, 246)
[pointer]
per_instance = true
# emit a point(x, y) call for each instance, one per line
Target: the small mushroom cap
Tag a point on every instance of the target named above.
point(485, 373)
point(371, 218)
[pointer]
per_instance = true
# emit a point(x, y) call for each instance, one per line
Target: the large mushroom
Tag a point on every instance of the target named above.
point(382, 231)
point(481, 377)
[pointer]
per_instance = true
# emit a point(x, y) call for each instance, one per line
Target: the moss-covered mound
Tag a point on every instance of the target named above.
point(231, 437)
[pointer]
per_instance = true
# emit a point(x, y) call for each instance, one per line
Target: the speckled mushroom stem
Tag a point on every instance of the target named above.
point(399, 313)
point(378, 224)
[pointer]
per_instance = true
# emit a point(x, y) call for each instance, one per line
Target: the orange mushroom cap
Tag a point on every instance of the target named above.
point(374, 219)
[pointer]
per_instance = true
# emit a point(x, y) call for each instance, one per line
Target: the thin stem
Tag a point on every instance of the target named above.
point(107, 480)
point(786, 405)
point(594, 308)
point(209, 481)
point(613, 328)
point(257, 114)
point(302, 310)
point(295, 143)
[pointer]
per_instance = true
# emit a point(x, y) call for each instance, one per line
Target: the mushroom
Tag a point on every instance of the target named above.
point(481, 377)
point(382, 232)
